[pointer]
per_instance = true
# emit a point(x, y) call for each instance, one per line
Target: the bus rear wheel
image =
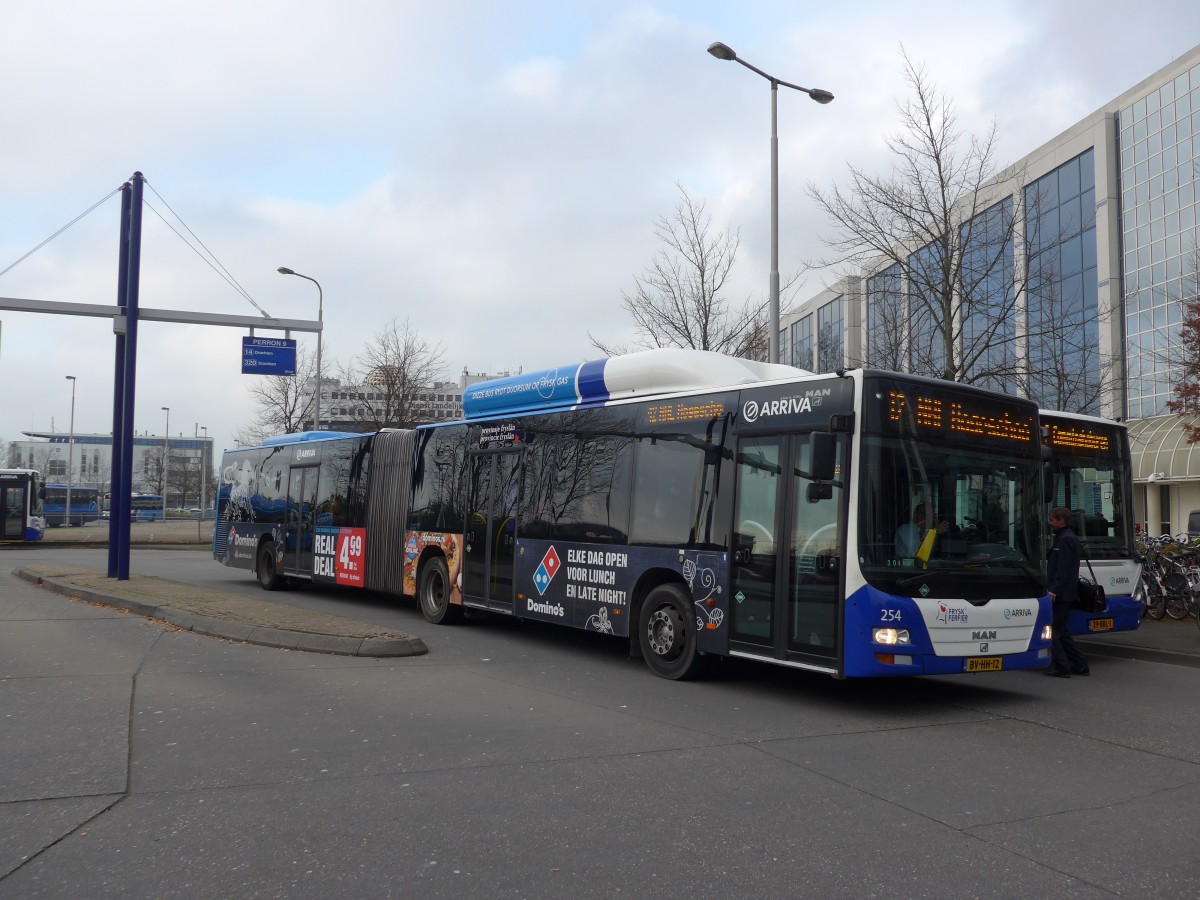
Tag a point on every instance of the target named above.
point(668, 633)
point(268, 573)
point(434, 593)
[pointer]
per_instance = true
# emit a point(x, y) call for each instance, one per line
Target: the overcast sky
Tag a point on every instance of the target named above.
point(490, 170)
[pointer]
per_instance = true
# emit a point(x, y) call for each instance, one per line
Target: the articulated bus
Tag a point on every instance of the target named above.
point(1093, 477)
point(23, 517)
point(85, 505)
point(694, 504)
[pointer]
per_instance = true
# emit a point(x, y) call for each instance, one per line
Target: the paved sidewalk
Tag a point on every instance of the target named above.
point(225, 615)
point(1167, 641)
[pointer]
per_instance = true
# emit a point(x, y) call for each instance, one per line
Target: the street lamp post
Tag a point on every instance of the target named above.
point(203, 480)
point(204, 472)
point(723, 51)
point(71, 448)
point(166, 458)
point(284, 270)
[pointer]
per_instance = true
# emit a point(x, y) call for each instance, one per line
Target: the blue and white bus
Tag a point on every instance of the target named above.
point(22, 494)
point(146, 508)
point(1092, 476)
point(694, 504)
point(85, 505)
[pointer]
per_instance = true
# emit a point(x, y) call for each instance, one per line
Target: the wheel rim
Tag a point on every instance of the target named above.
point(662, 632)
point(435, 591)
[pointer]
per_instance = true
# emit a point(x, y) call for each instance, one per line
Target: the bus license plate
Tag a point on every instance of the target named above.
point(1100, 625)
point(985, 664)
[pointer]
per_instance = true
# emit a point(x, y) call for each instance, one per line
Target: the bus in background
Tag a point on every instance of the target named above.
point(694, 504)
point(23, 517)
point(146, 508)
point(85, 505)
point(1091, 475)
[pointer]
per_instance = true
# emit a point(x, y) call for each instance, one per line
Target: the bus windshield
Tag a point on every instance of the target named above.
point(948, 512)
point(1092, 477)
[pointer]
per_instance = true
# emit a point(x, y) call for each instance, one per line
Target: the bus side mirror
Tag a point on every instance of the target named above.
point(820, 492)
point(1047, 476)
point(822, 455)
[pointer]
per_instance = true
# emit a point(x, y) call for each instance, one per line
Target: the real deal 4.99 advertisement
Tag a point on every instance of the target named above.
point(339, 556)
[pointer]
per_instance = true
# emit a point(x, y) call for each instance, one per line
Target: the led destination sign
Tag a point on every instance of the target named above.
point(684, 411)
point(1078, 437)
point(964, 417)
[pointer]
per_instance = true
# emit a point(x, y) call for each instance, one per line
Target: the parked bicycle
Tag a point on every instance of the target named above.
point(1170, 576)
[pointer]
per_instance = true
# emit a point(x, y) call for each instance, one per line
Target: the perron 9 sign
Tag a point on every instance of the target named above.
point(268, 356)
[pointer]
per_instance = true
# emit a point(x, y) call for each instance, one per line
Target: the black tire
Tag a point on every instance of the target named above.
point(667, 629)
point(433, 591)
point(268, 573)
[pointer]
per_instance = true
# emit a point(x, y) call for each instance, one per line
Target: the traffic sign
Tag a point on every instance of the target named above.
point(268, 356)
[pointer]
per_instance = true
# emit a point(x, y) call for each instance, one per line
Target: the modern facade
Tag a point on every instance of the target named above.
point(92, 464)
point(1100, 254)
point(353, 407)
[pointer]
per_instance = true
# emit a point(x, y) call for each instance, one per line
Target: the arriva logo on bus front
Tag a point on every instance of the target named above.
point(785, 407)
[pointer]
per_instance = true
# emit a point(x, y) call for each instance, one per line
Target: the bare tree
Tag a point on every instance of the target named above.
point(284, 404)
point(153, 471)
point(184, 476)
point(940, 234)
point(394, 368)
point(679, 300)
point(41, 459)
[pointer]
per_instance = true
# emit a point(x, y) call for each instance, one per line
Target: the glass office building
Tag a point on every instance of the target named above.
point(1087, 256)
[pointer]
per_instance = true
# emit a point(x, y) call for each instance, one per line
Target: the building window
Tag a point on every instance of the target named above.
point(830, 331)
point(887, 313)
point(802, 343)
point(1064, 339)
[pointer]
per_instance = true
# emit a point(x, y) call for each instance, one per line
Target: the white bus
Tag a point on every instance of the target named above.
point(694, 504)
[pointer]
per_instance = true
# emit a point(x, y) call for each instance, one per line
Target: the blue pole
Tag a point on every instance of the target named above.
point(117, 485)
point(131, 314)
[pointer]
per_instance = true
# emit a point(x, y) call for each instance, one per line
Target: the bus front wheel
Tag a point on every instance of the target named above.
point(268, 573)
point(668, 633)
point(434, 593)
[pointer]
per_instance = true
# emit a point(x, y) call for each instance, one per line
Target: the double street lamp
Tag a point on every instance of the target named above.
point(71, 449)
point(284, 270)
point(724, 52)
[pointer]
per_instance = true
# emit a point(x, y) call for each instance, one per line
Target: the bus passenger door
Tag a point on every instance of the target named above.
point(15, 503)
point(491, 530)
point(299, 518)
point(786, 580)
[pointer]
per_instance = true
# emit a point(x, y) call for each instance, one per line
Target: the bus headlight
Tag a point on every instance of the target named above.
point(890, 635)
point(1047, 633)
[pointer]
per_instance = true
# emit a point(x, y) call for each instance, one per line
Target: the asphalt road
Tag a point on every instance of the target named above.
point(518, 760)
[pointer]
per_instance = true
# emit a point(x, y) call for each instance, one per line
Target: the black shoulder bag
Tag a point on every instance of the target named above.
point(1089, 595)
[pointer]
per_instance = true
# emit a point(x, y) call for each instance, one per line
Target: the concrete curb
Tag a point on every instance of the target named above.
point(263, 635)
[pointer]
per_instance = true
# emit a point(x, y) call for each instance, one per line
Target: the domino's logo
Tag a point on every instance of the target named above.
point(546, 571)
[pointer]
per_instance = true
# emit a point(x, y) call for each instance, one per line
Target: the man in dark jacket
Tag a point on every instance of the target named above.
point(1063, 569)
